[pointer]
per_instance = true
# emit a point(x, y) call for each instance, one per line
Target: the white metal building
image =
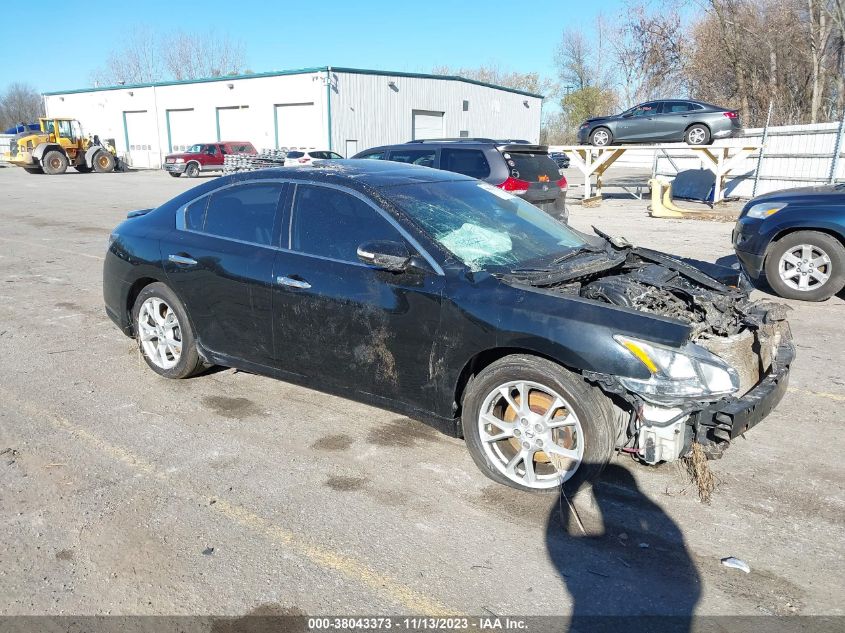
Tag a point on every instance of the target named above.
point(342, 109)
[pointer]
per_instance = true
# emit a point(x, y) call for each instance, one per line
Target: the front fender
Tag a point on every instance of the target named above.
point(43, 148)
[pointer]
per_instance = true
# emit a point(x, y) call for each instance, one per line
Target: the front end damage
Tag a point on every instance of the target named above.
point(731, 373)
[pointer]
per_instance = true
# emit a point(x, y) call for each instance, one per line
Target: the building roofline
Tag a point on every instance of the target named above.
point(299, 71)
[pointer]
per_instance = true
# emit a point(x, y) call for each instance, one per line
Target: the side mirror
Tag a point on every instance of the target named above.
point(386, 255)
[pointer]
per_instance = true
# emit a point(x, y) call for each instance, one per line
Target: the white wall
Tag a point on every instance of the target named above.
point(364, 108)
point(102, 112)
point(367, 109)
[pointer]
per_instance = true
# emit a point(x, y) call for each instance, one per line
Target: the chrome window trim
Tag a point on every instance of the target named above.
point(182, 226)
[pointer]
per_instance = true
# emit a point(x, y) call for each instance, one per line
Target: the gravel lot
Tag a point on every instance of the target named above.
point(124, 493)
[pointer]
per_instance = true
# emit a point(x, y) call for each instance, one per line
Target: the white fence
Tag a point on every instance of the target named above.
point(792, 156)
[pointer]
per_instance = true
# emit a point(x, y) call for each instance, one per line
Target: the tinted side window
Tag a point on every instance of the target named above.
point(470, 162)
point(646, 109)
point(246, 212)
point(373, 155)
point(675, 107)
point(424, 157)
point(195, 214)
point(332, 223)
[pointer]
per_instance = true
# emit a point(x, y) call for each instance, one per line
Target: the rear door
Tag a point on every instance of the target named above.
point(673, 120)
point(220, 262)
point(340, 321)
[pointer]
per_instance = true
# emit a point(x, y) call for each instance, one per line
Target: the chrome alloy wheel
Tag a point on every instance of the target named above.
point(531, 434)
point(804, 267)
point(159, 333)
point(601, 137)
point(697, 136)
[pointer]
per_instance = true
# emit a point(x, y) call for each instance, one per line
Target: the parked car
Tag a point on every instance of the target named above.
point(204, 157)
point(795, 241)
point(454, 302)
point(513, 165)
point(296, 157)
point(665, 121)
point(560, 158)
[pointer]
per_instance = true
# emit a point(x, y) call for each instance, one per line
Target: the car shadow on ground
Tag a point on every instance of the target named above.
point(623, 559)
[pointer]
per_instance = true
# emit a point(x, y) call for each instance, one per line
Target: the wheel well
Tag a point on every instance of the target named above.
point(195, 162)
point(482, 360)
point(686, 129)
point(797, 229)
point(134, 290)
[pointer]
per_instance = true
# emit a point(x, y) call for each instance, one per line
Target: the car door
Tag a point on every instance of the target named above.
point(637, 124)
point(342, 322)
point(220, 262)
point(674, 118)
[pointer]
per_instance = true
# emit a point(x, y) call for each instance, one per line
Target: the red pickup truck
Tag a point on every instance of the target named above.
point(204, 157)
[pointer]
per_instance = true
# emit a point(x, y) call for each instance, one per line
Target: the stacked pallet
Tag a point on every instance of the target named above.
point(234, 163)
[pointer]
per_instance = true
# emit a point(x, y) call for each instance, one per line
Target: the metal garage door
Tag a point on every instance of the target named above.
point(233, 124)
point(139, 127)
point(183, 130)
point(427, 124)
point(297, 125)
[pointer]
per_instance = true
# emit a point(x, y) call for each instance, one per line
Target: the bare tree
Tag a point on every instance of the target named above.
point(146, 57)
point(20, 103)
point(137, 61)
point(195, 55)
point(492, 74)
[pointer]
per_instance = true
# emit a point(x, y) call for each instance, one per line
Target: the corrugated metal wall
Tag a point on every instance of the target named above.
point(794, 156)
point(367, 109)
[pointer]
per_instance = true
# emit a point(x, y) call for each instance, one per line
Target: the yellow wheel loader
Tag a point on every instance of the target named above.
point(59, 144)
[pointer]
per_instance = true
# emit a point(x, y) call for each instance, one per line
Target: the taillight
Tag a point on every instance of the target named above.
point(731, 115)
point(562, 182)
point(515, 186)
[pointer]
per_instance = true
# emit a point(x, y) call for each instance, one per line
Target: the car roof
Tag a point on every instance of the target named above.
point(356, 173)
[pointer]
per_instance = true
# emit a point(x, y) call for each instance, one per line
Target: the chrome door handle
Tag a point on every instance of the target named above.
point(185, 261)
point(293, 283)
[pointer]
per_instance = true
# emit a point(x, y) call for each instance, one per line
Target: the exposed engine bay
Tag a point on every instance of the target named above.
point(752, 338)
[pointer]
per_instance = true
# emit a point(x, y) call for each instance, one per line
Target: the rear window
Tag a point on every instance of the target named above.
point(373, 155)
point(532, 167)
point(295, 154)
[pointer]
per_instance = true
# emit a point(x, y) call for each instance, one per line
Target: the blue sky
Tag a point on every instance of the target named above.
point(390, 35)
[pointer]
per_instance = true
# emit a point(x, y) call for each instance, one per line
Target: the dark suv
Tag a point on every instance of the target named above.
point(517, 167)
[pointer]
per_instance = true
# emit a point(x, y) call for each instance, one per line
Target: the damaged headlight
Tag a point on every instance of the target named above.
point(676, 374)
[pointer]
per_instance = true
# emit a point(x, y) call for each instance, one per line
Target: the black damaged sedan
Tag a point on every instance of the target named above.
point(456, 303)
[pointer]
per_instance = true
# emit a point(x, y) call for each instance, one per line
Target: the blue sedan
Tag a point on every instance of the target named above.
point(795, 240)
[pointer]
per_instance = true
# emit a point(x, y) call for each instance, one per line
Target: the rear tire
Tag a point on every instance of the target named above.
point(698, 134)
point(192, 170)
point(806, 258)
point(581, 416)
point(600, 137)
point(164, 333)
point(103, 162)
point(54, 163)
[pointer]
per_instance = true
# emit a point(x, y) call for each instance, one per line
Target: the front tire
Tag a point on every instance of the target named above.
point(174, 174)
point(192, 170)
point(600, 137)
point(103, 162)
point(697, 134)
point(532, 424)
point(806, 265)
point(54, 163)
point(164, 333)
